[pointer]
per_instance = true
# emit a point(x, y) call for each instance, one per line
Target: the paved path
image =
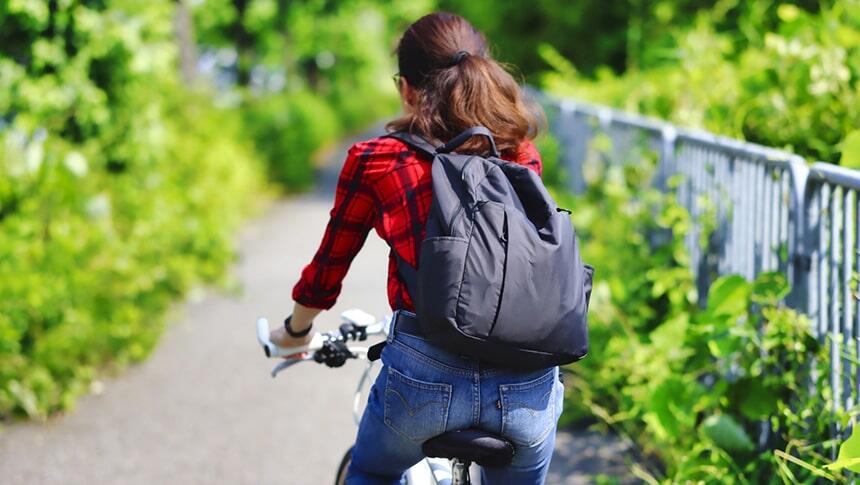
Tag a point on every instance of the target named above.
point(203, 408)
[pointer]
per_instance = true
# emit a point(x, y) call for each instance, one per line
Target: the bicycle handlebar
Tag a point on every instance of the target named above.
point(273, 350)
point(328, 348)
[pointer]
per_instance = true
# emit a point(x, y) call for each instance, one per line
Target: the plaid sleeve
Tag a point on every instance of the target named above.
point(350, 220)
point(528, 155)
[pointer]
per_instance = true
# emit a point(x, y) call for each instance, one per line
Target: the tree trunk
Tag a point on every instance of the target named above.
point(186, 41)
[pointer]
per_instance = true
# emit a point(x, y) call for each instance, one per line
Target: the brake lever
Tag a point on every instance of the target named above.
point(284, 365)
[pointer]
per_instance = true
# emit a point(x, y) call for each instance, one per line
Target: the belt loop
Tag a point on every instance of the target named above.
point(394, 317)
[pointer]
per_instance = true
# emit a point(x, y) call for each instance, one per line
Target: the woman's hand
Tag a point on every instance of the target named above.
point(301, 319)
point(281, 338)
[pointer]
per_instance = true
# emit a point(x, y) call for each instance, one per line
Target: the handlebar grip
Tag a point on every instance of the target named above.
point(263, 336)
point(273, 350)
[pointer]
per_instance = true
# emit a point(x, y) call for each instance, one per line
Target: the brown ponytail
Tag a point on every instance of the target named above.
point(458, 85)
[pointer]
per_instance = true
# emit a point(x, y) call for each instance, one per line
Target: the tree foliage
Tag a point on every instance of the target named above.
point(118, 192)
point(618, 34)
point(792, 86)
point(336, 62)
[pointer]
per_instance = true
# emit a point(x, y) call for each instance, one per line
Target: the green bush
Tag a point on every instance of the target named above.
point(288, 129)
point(119, 191)
point(721, 394)
point(93, 260)
point(549, 148)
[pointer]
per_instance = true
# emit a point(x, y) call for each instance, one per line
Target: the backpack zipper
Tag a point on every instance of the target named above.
point(478, 206)
point(504, 238)
point(454, 218)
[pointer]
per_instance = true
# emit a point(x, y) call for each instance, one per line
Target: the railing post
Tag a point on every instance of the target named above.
point(668, 137)
point(605, 117)
point(575, 143)
point(799, 245)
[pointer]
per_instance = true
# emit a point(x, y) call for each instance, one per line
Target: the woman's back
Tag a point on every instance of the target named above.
point(386, 186)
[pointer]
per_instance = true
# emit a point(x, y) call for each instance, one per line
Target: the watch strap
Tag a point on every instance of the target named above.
point(293, 333)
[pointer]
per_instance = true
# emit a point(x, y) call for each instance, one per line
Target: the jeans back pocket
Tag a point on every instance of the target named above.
point(529, 410)
point(414, 409)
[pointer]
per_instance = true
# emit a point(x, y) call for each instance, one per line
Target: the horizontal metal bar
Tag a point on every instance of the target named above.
point(737, 147)
point(616, 116)
point(656, 126)
point(835, 175)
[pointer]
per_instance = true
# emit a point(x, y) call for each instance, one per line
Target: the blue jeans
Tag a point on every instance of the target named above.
point(423, 391)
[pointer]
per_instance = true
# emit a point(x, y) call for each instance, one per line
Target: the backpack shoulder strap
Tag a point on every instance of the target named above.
point(458, 140)
point(409, 274)
point(414, 141)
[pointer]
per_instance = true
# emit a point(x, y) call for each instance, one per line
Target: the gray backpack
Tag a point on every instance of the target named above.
point(499, 277)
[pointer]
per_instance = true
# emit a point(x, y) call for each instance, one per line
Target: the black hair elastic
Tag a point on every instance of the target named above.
point(458, 57)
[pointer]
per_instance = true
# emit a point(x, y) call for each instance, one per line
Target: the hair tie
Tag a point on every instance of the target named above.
point(458, 57)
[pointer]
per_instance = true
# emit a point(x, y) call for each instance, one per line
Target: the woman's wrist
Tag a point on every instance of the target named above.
point(302, 317)
point(297, 329)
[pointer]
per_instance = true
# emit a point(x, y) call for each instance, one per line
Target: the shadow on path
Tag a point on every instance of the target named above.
point(582, 456)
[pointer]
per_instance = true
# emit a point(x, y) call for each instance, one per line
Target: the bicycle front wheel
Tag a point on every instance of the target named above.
point(343, 467)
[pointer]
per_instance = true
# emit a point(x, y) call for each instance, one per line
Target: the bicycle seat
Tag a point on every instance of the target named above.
point(473, 445)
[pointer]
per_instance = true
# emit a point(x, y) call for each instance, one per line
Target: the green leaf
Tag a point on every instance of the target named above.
point(728, 296)
point(724, 346)
point(769, 288)
point(849, 454)
point(670, 407)
point(851, 150)
point(723, 431)
point(670, 334)
point(754, 399)
point(788, 12)
point(556, 60)
point(25, 397)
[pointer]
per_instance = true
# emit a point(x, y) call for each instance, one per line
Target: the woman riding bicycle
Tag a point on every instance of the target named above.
point(448, 82)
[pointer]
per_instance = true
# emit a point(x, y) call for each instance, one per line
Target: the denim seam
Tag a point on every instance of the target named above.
point(409, 409)
point(445, 389)
point(429, 361)
point(476, 386)
point(547, 395)
point(416, 383)
point(505, 409)
point(524, 386)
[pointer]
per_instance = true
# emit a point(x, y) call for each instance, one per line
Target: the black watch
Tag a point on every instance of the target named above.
point(293, 334)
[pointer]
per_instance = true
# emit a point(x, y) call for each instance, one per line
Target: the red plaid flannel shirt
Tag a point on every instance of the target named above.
point(371, 193)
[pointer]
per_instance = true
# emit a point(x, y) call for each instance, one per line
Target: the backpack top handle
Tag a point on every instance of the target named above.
point(414, 141)
point(469, 133)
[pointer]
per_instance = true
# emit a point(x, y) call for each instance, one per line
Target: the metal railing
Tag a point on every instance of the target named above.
point(772, 212)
